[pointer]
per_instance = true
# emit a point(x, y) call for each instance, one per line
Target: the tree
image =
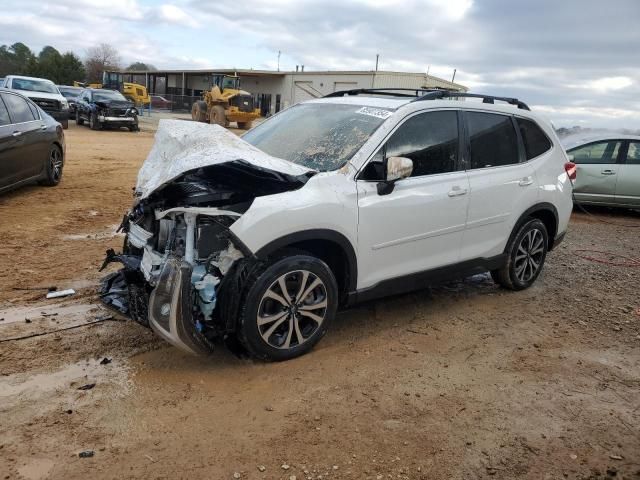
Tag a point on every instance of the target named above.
point(18, 59)
point(71, 69)
point(141, 66)
point(100, 58)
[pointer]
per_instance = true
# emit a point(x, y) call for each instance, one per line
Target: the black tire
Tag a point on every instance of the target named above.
point(217, 115)
point(199, 111)
point(94, 123)
point(53, 167)
point(79, 121)
point(526, 251)
point(245, 125)
point(134, 128)
point(65, 124)
point(285, 341)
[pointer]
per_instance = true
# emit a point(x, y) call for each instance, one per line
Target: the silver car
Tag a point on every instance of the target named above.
point(608, 168)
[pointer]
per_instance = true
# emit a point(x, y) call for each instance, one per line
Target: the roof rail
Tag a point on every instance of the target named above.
point(440, 94)
point(391, 92)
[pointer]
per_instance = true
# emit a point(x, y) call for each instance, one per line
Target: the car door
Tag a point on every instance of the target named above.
point(597, 172)
point(502, 187)
point(9, 148)
point(628, 177)
point(29, 128)
point(419, 225)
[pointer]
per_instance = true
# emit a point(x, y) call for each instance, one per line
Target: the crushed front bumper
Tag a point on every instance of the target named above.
point(175, 295)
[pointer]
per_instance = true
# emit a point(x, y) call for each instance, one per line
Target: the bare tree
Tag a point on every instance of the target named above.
point(100, 58)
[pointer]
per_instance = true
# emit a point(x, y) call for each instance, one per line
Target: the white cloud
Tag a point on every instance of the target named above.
point(609, 83)
point(173, 14)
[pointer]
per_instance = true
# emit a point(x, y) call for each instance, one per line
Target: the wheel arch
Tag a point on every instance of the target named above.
point(547, 213)
point(328, 245)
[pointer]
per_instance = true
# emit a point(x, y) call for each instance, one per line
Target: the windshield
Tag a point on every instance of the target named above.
point(69, 92)
point(34, 85)
point(321, 136)
point(106, 95)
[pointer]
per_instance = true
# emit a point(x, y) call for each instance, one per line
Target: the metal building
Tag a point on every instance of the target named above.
point(275, 90)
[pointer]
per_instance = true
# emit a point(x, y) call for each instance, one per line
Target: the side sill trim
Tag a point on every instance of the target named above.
point(420, 280)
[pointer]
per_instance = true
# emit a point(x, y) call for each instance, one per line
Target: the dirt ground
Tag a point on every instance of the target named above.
point(460, 381)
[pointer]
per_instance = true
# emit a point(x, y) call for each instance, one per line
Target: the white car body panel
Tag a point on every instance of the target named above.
point(327, 201)
point(417, 227)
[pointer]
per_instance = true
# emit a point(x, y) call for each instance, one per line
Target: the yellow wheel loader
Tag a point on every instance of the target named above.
point(225, 103)
point(132, 91)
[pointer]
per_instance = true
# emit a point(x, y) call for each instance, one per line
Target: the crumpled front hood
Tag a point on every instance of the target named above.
point(181, 146)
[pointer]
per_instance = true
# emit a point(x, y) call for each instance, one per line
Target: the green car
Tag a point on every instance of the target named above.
point(608, 169)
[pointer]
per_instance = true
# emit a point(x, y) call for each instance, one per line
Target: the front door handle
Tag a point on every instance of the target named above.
point(43, 127)
point(457, 191)
point(608, 172)
point(16, 134)
point(526, 181)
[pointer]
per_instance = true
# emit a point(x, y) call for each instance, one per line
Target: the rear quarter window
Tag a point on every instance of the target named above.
point(535, 140)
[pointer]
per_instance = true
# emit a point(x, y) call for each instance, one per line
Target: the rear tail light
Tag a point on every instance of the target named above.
point(571, 170)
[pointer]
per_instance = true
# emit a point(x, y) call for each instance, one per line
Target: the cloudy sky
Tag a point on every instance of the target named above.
point(575, 60)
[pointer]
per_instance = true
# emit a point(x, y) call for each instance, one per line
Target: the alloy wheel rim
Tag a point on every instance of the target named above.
point(528, 258)
point(292, 309)
point(56, 163)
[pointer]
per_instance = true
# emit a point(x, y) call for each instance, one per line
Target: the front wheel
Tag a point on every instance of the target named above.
point(526, 252)
point(79, 119)
point(245, 125)
point(288, 308)
point(94, 123)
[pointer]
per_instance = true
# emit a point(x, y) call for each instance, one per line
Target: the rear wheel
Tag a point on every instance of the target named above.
point(79, 120)
point(245, 125)
point(217, 115)
point(526, 252)
point(288, 307)
point(199, 111)
point(53, 167)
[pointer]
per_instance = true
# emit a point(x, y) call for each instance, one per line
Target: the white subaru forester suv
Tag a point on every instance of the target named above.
point(355, 196)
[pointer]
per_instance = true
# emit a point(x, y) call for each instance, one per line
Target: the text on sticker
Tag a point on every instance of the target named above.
point(375, 112)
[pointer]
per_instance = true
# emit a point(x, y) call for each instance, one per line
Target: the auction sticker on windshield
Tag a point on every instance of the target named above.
point(375, 112)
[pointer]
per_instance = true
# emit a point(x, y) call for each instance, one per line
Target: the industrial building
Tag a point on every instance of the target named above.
point(275, 90)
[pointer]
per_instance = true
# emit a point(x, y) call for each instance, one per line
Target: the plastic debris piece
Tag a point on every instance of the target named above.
point(105, 361)
point(86, 454)
point(88, 386)
point(61, 293)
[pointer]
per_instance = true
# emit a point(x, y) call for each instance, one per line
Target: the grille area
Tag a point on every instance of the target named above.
point(47, 104)
point(117, 112)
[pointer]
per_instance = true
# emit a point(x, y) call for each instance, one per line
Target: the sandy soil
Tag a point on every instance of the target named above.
point(459, 381)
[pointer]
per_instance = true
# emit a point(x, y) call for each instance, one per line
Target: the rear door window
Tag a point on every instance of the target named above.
point(4, 113)
point(598, 152)
point(493, 140)
point(534, 139)
point(19, 109)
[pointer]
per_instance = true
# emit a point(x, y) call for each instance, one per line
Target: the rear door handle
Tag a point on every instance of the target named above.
point(16, 134)
point(608, 172)
point(525, 181)
point(43, 127)
point(457, 191)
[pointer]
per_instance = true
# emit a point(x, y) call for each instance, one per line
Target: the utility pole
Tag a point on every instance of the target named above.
point(454, 75)
point(377, 57)
point(279, 52)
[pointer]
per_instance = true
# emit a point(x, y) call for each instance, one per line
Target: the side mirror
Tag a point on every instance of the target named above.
point(396, 168)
